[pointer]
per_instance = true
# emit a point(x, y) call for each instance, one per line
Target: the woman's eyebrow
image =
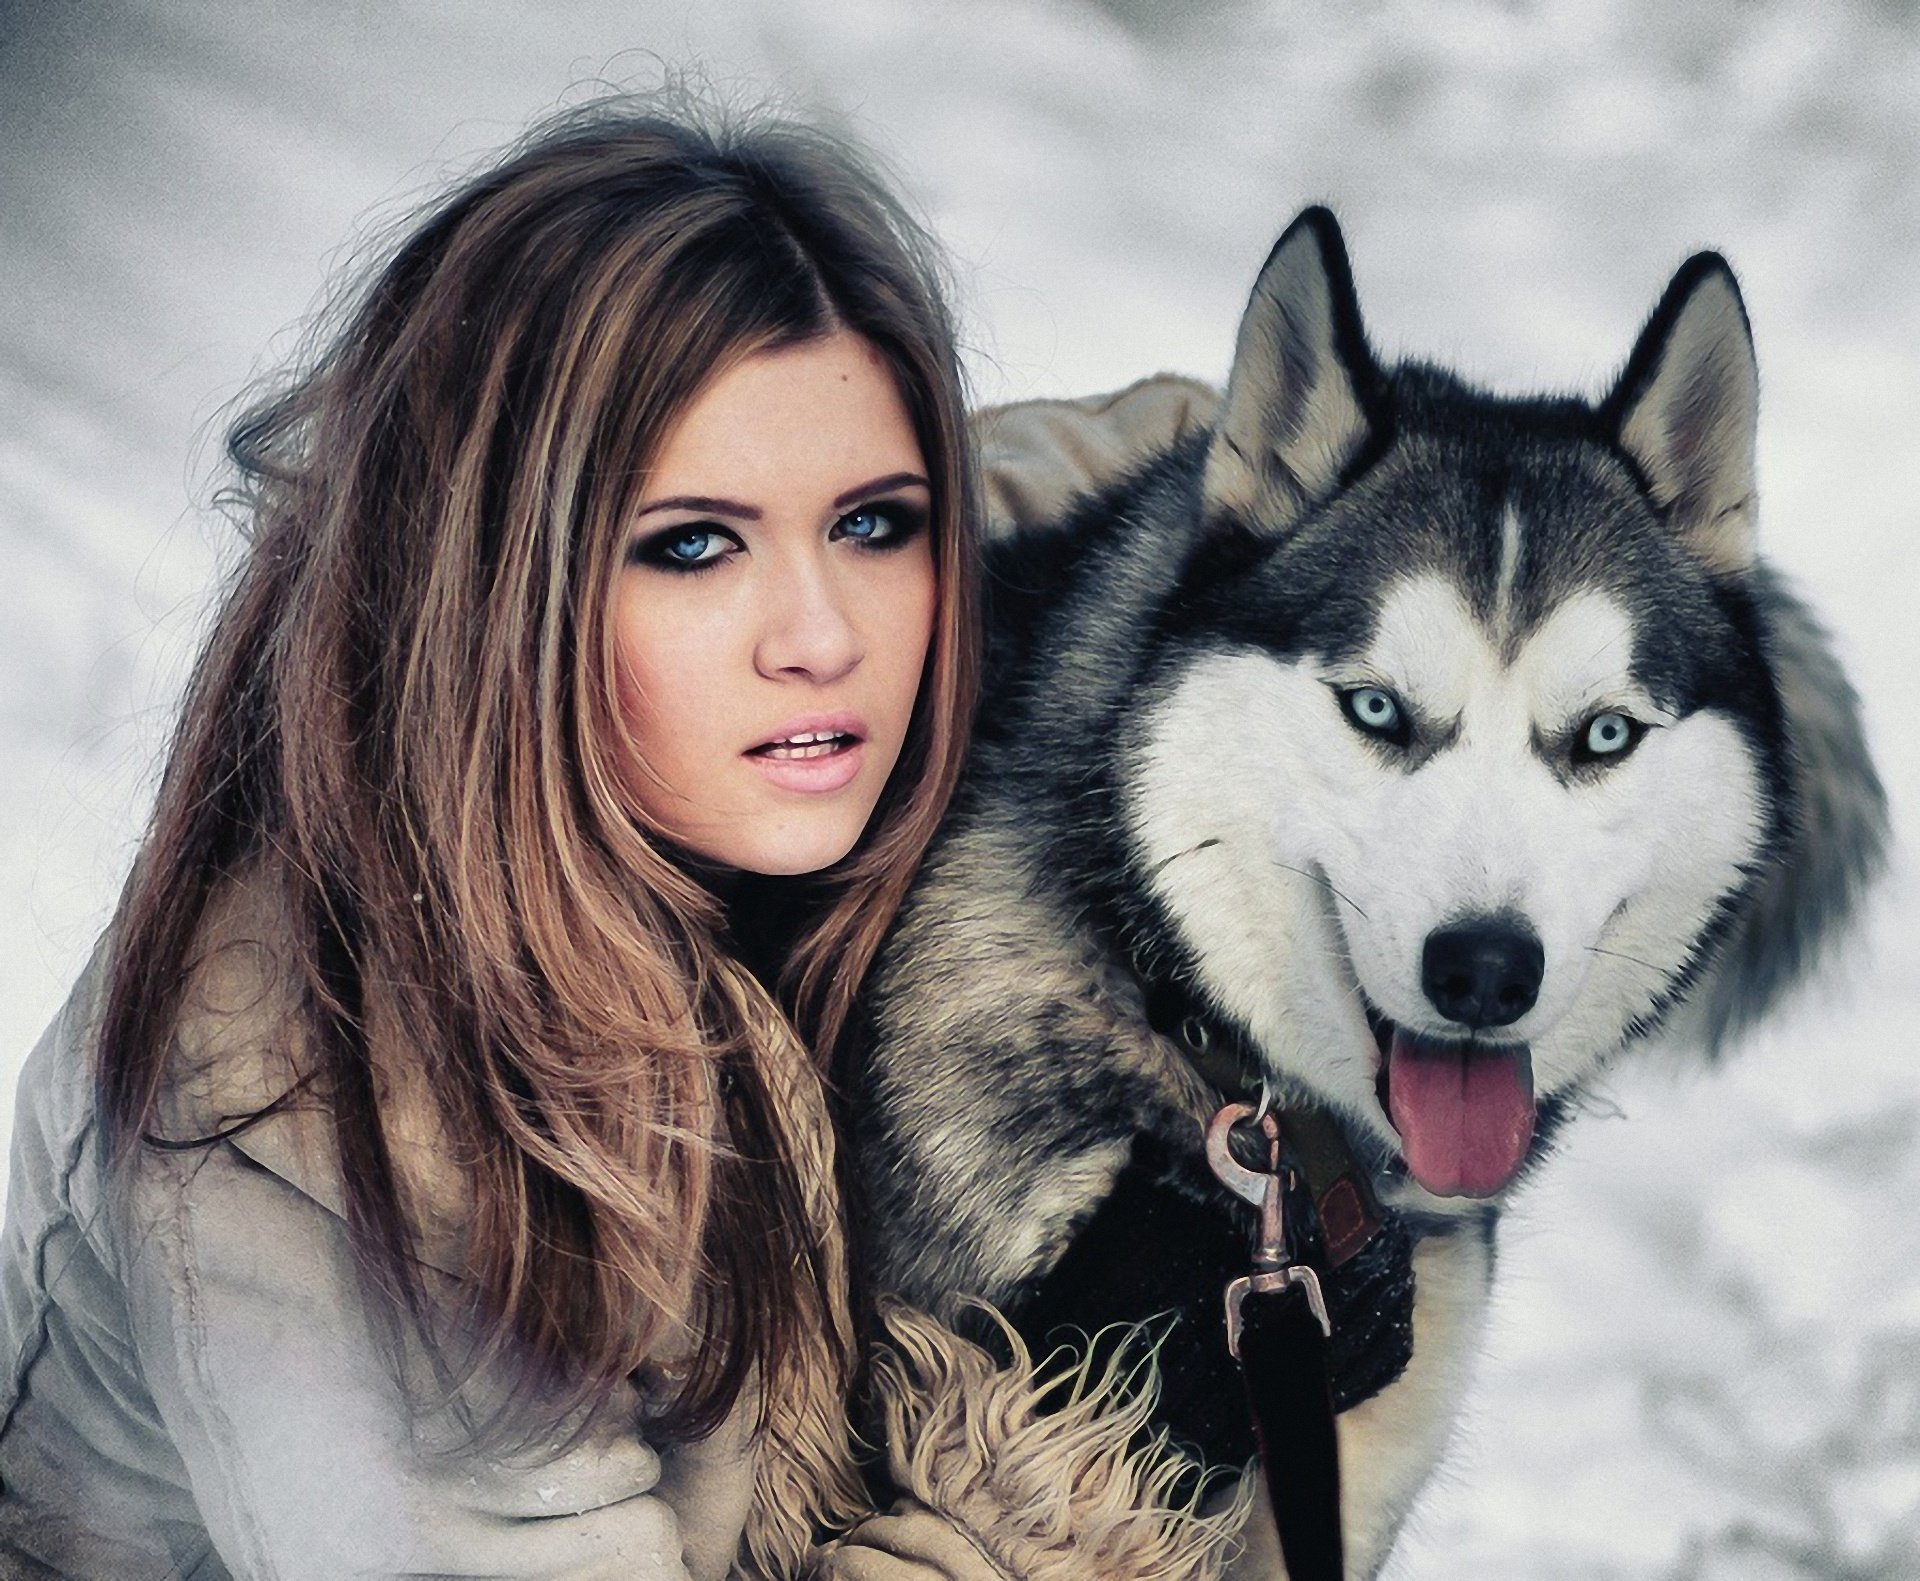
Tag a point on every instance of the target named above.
point(893, 480)
point(720, 507)
point(703, 502)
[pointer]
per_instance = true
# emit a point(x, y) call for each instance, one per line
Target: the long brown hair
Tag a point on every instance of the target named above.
point(406, 719)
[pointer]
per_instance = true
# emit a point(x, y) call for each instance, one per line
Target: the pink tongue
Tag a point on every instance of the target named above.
point(1465, 1119)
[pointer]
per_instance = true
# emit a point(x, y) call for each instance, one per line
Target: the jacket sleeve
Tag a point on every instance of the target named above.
point(305, 1462)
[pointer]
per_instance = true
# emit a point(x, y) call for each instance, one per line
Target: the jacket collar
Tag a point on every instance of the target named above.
point(240, 1073)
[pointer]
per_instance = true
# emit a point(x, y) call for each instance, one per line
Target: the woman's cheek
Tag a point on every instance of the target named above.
point(915, 607)
point(671, 689)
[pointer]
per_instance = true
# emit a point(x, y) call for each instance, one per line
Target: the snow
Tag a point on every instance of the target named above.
point(1705, 1359)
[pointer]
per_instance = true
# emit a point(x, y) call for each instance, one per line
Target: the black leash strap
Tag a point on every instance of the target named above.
point(1277, 1330)
point(1283, 1358)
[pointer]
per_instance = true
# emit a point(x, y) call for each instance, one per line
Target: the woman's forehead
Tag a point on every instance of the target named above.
point(823, 414)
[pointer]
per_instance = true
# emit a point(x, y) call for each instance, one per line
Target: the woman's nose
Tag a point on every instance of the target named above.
point(808, 632)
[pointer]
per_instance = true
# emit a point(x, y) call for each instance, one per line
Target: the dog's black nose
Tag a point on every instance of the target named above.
point(1483, 972)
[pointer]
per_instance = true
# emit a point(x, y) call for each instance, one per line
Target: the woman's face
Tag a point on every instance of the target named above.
point(772, 612)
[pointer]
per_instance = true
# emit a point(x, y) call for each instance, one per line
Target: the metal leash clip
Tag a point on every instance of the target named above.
point(1273, 1266)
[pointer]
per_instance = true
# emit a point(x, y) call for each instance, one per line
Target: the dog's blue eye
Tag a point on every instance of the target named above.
point(1376, 711)
point(1608, 735)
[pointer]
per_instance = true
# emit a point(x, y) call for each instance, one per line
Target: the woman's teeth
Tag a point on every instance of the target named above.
point(808, 744)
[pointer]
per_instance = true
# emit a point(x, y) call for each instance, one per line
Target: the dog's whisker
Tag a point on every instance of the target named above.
point(1325, 883)
point(1611, 643)
point(1167, 861)
point(1621, 955)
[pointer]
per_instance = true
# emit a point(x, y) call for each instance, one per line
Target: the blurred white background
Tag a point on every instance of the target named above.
point(1706, 1356)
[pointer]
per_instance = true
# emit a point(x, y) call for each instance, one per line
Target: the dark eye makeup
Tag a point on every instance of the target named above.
point(685, 546)
point(877, 525)
point(881, 524)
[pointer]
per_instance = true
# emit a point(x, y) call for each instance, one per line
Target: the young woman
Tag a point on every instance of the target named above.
point(431, 1174)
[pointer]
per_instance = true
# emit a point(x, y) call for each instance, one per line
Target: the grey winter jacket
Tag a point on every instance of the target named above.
point(192, 1388)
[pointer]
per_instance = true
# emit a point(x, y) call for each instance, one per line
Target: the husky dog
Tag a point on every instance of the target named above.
point(1411, 750)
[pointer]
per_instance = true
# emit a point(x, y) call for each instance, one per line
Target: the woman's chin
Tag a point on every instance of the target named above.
point(782, 847)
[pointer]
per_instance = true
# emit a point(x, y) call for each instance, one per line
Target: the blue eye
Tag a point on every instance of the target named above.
point(686, 548)
point(691, 548)
point(1605, 736)
point(878, 526)
point(1376, 712)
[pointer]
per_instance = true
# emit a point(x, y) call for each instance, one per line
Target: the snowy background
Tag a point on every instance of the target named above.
point(1706, 1359)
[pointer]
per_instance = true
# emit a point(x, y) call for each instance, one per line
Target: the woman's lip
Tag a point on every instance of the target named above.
point(842, 724)
point(814, 776)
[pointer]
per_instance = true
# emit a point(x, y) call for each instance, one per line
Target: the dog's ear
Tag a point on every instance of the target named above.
point(1685, 411)
point(1296, 414)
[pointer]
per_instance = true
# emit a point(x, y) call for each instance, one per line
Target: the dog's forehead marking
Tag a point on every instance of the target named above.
point(1431, 647)
point(1508, 572)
